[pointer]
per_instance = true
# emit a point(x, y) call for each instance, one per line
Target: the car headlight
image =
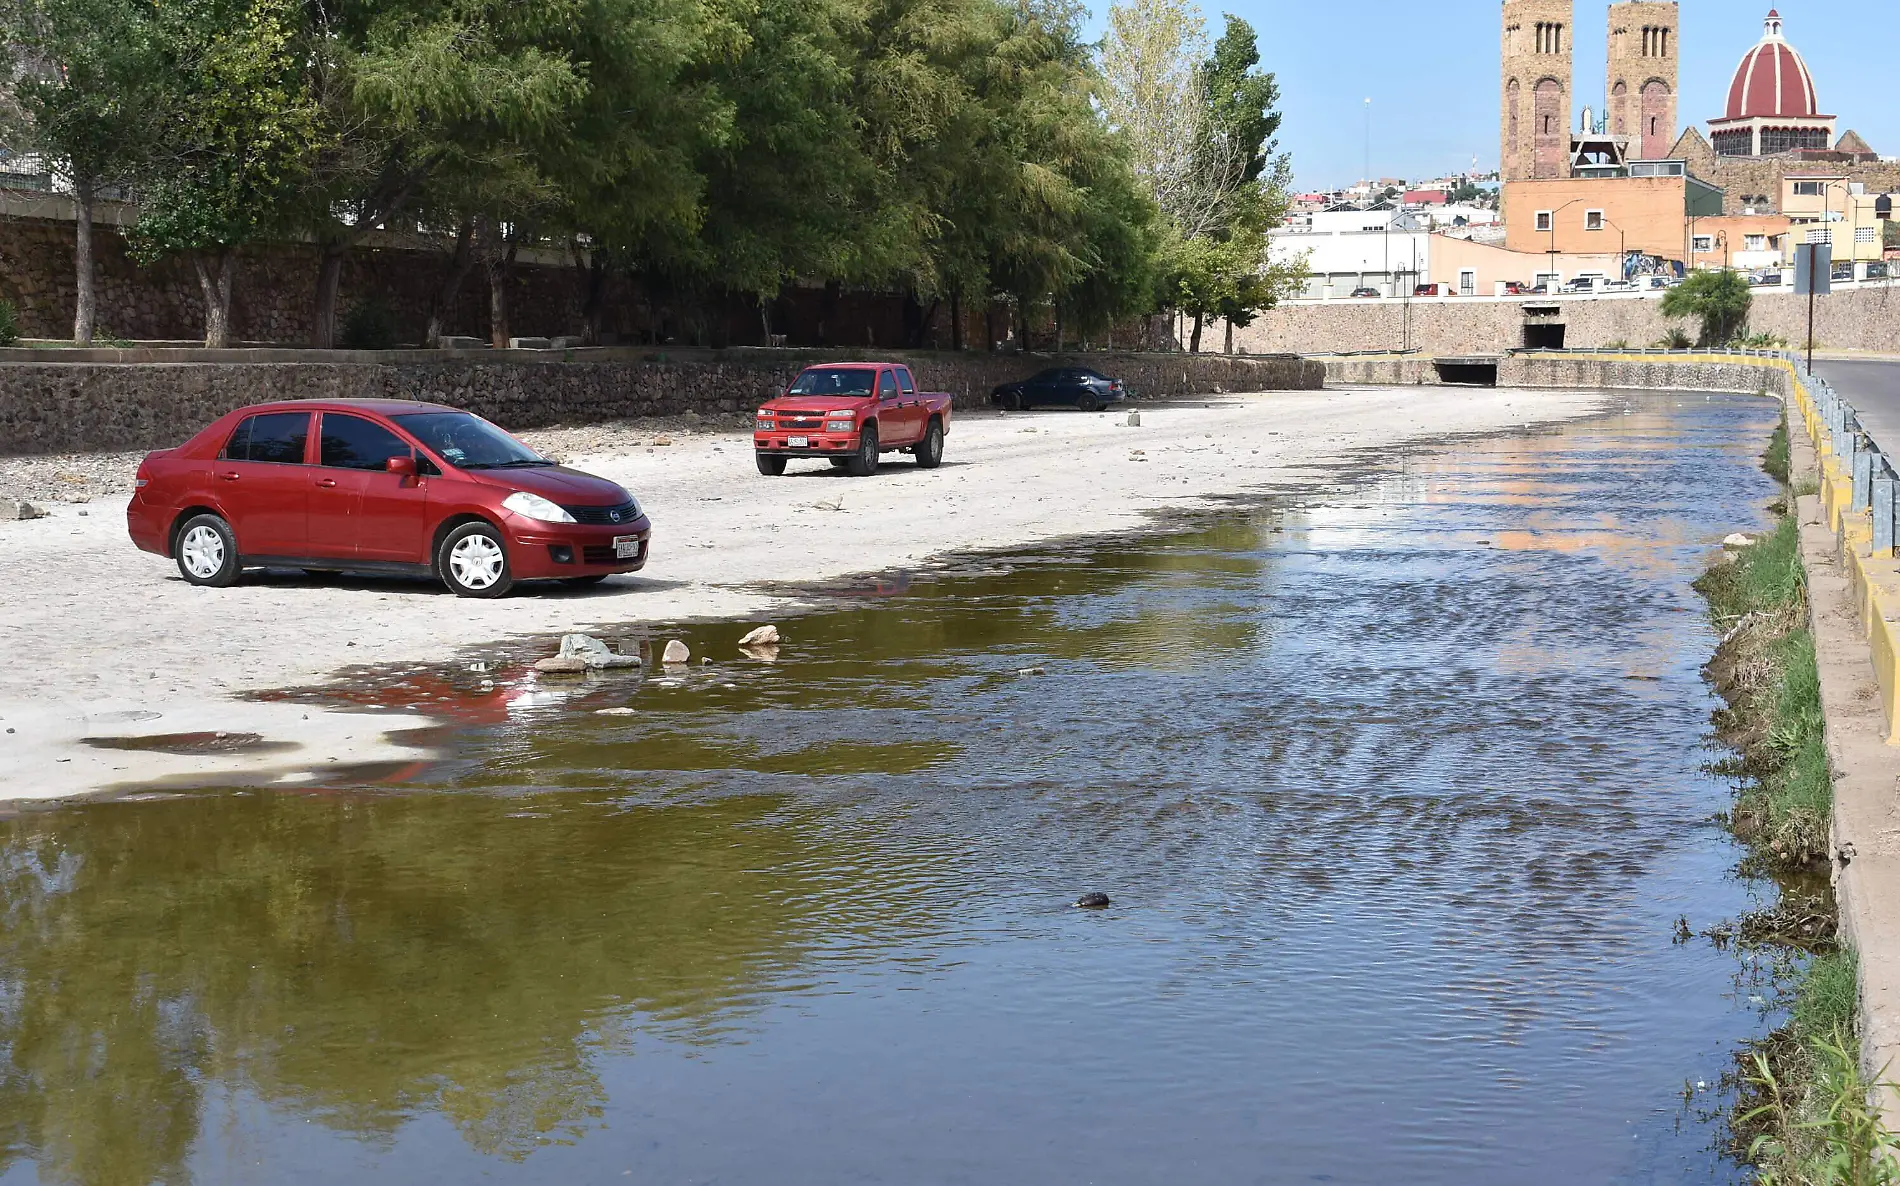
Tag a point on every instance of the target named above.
point(533, 506)
point(840, 425)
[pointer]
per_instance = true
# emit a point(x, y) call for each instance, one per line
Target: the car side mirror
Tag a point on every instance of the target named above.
point(405, 466)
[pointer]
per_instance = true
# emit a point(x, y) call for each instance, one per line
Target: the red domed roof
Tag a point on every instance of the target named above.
point(1772, 79)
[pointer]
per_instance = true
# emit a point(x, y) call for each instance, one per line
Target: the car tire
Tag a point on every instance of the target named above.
point(1012, 401)
point(207, 552)
point(770, 465)
point(863, 463)
point(929, 451)
point(584, 582)
point(473, 562)
point(1088, 402)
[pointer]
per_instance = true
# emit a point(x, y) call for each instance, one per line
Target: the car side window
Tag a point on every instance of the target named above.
point(276, 437)
point(905, 383)
point(238, 448)
point(351, 442)
point(886, 385)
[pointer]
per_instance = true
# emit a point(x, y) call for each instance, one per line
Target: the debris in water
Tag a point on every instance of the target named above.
point(616, 712)
point(1092, 901)
point(561, 665)
point(1028, 671)
point(1738, 540)
point(764, 636)
point(676, 652)
point(594, 653)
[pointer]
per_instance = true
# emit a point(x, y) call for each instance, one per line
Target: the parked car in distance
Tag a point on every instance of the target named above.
point(1076, 387)
point(848, 414)
point(1514, 288)
point(1765, 279)
point(1435, 289)
point(1653, 282)
point(380, 485)
point(1365, 292)
point(1616, 286)
point(1540, 290)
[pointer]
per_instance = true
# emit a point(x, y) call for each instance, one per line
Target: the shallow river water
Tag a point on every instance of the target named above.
point(1398, 792)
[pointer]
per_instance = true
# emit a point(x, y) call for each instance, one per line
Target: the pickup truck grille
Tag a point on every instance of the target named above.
point(802, 420)
point(626, 512)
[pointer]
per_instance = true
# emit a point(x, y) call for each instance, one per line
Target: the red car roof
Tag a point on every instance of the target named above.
point(382, 407)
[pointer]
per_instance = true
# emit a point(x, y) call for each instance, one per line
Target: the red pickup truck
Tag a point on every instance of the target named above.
point(848, 413)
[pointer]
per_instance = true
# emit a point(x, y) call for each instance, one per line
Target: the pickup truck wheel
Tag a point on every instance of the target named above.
point(929, 451)
point(771, 466)
point(863, 463)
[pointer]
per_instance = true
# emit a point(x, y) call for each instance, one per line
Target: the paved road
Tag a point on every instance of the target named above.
point(1873, 387)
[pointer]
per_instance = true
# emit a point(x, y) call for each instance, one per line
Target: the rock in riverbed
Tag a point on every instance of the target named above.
point(19, 508)
point(764, 636)
point(1738, 540)
point(676, 653)
point(1092, 901)
point(579, 653)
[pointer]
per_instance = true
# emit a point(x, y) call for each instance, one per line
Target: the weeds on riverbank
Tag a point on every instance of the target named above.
point(1766, 671)
point(1807, 1109)
point(1805, 1114)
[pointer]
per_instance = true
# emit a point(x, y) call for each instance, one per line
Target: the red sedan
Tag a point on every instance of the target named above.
point(373, 485)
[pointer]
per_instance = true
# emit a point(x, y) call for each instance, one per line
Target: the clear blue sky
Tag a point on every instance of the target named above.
point(1431, 70)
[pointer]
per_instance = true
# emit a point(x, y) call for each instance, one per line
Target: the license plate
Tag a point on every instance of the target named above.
point(798, 443)
point(626, 547)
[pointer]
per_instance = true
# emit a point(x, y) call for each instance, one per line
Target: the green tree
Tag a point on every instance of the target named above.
point(85, 69)
point(1719, 299)
point(239, 135)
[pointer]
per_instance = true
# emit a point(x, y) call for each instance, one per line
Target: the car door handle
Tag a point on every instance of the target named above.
point(326, 483)
point(228, 477)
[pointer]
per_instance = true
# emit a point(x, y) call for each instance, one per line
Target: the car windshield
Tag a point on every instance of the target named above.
point(834, 381)
point(469, 442)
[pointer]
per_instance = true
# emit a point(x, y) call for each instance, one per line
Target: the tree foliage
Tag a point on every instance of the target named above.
point(960, 151)
point(1720, 300)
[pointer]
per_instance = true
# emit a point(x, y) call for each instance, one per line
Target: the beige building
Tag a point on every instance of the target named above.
point(1647, 214)
point(1470, 268)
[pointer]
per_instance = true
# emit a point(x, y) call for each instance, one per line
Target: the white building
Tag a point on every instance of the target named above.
point(1386, 250)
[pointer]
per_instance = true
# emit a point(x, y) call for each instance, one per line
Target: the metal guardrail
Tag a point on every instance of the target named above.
point(1875, 485)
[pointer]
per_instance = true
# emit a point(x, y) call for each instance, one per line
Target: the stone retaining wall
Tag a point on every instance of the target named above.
point(75, 406)
point(1848, 319)
point(1688, 373)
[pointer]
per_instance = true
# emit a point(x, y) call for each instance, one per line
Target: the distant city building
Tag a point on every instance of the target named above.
point(1773, 128)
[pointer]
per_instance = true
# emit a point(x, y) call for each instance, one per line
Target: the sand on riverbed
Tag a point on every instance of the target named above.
point(102, 640)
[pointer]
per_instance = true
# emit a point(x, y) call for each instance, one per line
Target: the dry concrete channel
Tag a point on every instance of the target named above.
point(1399, 781)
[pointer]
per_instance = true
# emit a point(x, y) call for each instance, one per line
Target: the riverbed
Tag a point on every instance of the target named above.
point(1397, 791)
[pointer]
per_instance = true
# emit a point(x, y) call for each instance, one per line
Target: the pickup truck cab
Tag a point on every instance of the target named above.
point(848, 413)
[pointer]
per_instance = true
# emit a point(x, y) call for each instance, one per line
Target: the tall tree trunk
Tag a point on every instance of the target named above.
point(1059, 334)
point(956, 320)
point(85, 292)
point(460, 262)
point(592, 270)
point(1022, 325)
point(989, 325)
point(216, 271)
point(329, 280)
point(1194, 343)
point(1229, 348)
point(501, 269)
point(765, 320)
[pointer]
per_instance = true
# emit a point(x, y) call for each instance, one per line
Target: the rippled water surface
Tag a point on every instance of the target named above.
point(1398, 793)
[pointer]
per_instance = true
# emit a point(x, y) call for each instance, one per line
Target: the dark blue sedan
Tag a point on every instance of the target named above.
point(1076, 387)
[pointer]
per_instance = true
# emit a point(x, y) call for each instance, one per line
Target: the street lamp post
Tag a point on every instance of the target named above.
point(1553, 239)
point(1622, 248)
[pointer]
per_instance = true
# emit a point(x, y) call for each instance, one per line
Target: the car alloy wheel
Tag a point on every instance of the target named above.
point(929, 451)
point(207, 552)
point(202, 552)
point(477, 562)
